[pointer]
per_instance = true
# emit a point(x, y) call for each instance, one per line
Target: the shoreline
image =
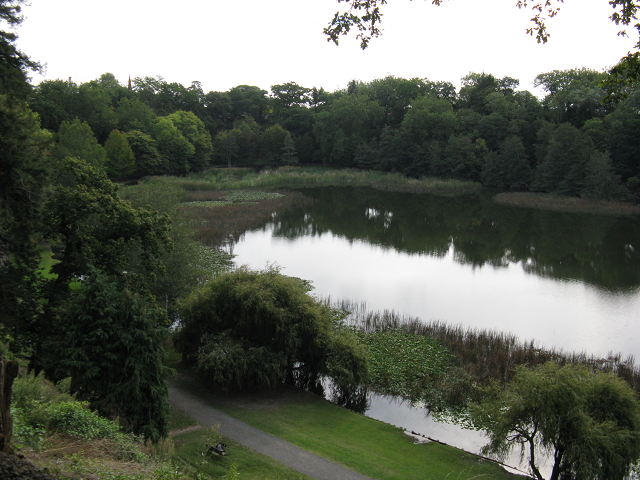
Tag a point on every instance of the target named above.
point(560, 203)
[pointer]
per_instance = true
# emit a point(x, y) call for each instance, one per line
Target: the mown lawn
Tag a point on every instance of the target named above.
point(368, 446)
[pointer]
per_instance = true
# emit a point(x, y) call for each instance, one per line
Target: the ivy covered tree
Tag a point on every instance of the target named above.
point(256, 329)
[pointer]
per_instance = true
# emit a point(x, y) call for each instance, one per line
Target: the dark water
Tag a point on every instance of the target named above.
point(568, 281)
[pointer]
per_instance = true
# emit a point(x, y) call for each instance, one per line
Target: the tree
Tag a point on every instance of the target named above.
point(248, 101)
point(176, 150)
point(76, 139)
point(120, 157)
point(134, 115)
point(248, 329)
point(562, 169)
point(600, 181)
point(14, 65)
point(509, 168)
point(55, 101)
point(289, 156)
point(111, 343)
point(89, 225)
point(271, 144)
point(365, 16)
point(193, 130)
point(147, 157)
point(430, 118)
point(23, 176)
point(226, 147)
point(589, 423)
point(573, 96)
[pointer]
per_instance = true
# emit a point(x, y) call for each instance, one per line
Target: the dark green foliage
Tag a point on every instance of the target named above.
point(134, 115)
point(192, 129)
point(14, 65)
point(112, 348)
point(563, 167)
point(88, 224)
point(600, 181)
point(285, 334)
point(23, 174)
point(589, 422)
point(509, 168)
point(76, 139)
point(226, 147)
point(148, 160)
point(173, 146)
point(120, 158)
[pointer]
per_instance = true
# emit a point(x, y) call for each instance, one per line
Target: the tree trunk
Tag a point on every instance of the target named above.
point(8, 373)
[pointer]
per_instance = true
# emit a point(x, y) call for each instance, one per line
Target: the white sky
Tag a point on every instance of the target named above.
point(225, 43)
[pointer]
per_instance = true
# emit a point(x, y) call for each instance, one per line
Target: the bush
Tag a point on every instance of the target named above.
point(75, 419)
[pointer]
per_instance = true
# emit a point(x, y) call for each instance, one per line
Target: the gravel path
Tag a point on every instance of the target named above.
point(284, 452)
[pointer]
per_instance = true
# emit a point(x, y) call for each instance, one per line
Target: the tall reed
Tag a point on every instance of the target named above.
point(485, 354)
point(290, 177)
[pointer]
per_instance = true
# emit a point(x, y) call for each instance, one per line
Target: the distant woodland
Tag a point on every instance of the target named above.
point(571, 142)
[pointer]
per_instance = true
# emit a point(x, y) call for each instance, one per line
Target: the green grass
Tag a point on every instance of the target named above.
point(368, 446)
point(291, 177)
point(191, 455)
point(46, 262)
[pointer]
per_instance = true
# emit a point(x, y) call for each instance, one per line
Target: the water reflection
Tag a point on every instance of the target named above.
point(569, 281)
point(598, 250)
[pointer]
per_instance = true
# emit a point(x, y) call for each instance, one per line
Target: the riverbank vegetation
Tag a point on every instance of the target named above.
point(482, 356)
point(125, 266)
point(571, 142)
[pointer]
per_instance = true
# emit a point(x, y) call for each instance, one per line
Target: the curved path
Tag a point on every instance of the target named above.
point(284, 452)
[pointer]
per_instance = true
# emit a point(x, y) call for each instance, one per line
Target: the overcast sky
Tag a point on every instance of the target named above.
point(225, 43)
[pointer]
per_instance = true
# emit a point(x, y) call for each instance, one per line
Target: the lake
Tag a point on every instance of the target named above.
point(564, 280)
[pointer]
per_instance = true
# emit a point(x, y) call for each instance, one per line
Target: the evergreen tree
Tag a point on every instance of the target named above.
point(111, 343)
point(289, 154)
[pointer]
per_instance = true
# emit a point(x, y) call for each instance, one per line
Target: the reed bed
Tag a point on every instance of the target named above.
point(219, 219)
point(484, 355)
point(292, 177)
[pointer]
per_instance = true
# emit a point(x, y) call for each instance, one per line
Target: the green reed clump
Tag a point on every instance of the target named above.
point(289, 177)
point(485, 355)
point(236, 213)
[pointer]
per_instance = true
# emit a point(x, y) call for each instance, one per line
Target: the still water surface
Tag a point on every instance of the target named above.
point(564, 280)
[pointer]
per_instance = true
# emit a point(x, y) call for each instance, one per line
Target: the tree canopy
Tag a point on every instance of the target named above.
point(587, 423)
point(256, 329)
point(365, 16)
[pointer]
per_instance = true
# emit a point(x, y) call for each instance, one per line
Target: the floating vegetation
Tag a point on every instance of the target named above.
point(236, 196)
point(209, 203)
point(443, 368)
point(404, 364)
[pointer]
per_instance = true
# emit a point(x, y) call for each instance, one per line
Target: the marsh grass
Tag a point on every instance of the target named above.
point(292, 177)
point(484, 355)
point(561, 203)
point(223, 223)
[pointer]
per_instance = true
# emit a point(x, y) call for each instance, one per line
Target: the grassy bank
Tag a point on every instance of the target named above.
point(368, 446)
point(57, 433)
point(291, 177)
point(561, 203)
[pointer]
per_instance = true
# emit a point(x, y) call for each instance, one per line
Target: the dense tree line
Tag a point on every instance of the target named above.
point(572, 141)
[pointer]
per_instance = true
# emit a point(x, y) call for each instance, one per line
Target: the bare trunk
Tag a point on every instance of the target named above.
point(8, 373)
